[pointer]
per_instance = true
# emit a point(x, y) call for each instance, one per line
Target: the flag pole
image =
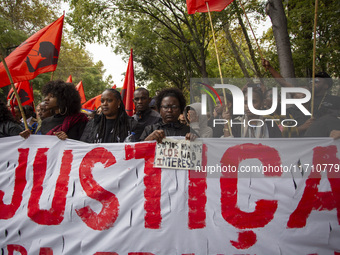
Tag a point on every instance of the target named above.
point(314, 54)
point(15, 90)
point(52, 75)
point(244, 11)
point(213, 33)
point(218, 63)
point(31, 84)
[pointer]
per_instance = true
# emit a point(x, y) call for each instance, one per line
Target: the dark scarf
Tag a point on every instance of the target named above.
point(69, 122)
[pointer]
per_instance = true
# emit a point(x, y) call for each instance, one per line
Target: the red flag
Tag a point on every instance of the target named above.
point(69, 79)
point(129, 87)
point(201, 6)
point(38, 54)
point(93, 103)
point(25, 92)
point(80, 89)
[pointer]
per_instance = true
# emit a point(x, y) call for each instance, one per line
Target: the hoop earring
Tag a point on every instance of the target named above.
point(64, 112)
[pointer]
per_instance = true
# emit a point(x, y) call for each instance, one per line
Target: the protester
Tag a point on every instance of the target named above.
point(42, 114)
point(32, 122)
point(303, 121)
point(64, 101)
point(324, 103)
point(249, 125)
point(90, 114)
point(289, 129)
point(326, 126)
point(197, 121)
point(17, 115)
point(8, 125)
point(218, 112)
point(170, 103)
point(112, 125)
point(144, 114)
point(182, 119)
point(152, 104)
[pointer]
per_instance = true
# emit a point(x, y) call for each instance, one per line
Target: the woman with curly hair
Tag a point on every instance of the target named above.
point(64, 101)
point(112, 125)
point(171, 103)
point(8, 125)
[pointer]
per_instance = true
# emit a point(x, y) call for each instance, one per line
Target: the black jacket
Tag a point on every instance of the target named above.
point(144, 119)
point(10, 128)
point(91, 132)
point(172, 129)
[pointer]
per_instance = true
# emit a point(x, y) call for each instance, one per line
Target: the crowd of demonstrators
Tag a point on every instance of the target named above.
point(197, 121)
point(112, 124)
point(324, 105)
point(247, 126)
point(171, 104)
point(60, 115)
point(144, 115)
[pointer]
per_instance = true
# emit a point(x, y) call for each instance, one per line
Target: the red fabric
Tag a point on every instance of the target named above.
point(93, 103)
point(201, 6)
point(69, 122)
point(80, 89)
point(38, 54)
point(129, 88)
point(25, 92)
point(69, 79)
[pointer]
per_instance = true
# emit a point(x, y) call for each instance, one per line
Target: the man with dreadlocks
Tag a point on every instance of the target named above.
point(112, 125)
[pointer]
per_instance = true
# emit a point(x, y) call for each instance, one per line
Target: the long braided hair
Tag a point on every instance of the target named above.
point(122, 124)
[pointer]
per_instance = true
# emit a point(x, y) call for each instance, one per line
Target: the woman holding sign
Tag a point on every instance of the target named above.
point(171, 104)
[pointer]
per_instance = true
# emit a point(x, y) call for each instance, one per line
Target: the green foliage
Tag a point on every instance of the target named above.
point(9, 36)
point(28, 18)
point(29, 15)
point(301, 27)
point(75, 61)
point(170, 46)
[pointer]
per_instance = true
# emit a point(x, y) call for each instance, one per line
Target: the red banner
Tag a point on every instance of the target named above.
point(80, 89)
point(129, 87)
point(38, 54)
point(93, 103)
point(201, 5)
point(249, 196)
point(25, 92)
point(69, 79)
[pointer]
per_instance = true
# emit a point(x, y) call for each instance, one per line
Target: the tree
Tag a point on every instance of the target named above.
point(169, 44)
point(278, 17)
point(301, 26)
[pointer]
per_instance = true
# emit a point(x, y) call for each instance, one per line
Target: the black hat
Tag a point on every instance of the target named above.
point(325, 76)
